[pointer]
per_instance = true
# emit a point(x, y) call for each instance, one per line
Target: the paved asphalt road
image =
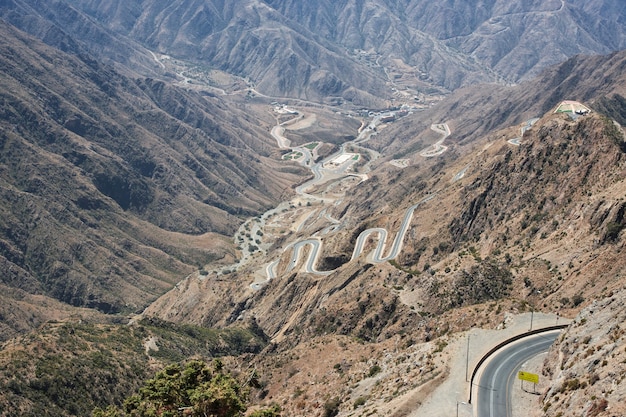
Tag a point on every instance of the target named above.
point(500, 374)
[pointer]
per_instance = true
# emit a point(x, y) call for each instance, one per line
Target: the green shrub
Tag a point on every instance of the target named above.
point(613, 230)
point(374, 370)
point(196, 387)
point(570, 385)
point(577, 300)
point(273, 411)
point(359, 402)
point(331, 407)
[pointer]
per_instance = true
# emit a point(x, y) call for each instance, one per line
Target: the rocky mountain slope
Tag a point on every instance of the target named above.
point(587, 365)
point(137, 137)
point(537, 226)
point(106, 177)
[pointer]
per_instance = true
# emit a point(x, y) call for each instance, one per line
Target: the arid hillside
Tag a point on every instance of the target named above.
point(331, 196)
point(509, 223)
point(587, 365)
point(114, 188)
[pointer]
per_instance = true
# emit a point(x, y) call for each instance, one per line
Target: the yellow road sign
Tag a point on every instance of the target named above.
point(527, 376)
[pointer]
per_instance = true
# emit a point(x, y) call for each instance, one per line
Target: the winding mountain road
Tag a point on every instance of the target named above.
point(377, 255)
point(323, 172)
point(396, 247)
point(523, 129)
point(499, 374)
point(277, 133)
point(437, 148)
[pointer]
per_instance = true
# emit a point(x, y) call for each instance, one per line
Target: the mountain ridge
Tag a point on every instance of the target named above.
point(74, 162)
point(406, 40)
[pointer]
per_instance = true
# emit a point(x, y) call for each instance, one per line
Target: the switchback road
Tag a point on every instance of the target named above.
point(437, 148)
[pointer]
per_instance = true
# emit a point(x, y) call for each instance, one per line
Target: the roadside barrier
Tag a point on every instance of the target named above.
point(507, 342)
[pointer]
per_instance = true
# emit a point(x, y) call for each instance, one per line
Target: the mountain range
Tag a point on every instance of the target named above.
point(147, 176)
point(329, 51)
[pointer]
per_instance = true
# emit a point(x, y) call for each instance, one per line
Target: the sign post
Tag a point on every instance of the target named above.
point(527, 376)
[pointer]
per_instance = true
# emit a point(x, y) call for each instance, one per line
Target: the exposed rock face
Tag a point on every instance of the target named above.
point(587, 365)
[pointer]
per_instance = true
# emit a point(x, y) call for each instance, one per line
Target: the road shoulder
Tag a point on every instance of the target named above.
point(454, 391)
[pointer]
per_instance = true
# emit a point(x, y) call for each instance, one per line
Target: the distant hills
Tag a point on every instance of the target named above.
point(449, 41)
point(335, 51)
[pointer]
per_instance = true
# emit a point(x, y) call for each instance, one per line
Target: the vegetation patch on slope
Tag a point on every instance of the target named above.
point(70, 368)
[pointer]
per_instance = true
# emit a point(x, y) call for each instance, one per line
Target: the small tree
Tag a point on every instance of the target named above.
point(195, 389)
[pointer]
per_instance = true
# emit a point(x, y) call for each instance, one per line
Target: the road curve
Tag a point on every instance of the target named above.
point(437, 148)
point(311, 260)
point(318, 170)
point(378, 253)
point(499, 374)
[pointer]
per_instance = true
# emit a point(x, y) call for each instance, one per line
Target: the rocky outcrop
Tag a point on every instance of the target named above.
point(587, 365)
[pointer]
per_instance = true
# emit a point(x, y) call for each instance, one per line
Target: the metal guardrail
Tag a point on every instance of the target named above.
point(507, 342)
